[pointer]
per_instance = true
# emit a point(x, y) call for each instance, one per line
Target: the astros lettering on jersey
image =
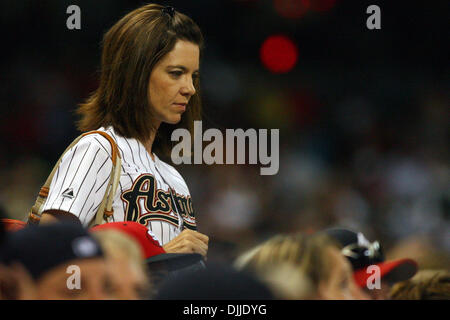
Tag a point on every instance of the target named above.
point(150, 192)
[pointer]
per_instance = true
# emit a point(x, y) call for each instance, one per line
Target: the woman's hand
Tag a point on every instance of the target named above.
point(188, 241)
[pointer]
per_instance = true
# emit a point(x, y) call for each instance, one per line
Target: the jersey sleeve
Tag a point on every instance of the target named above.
point(80, 181)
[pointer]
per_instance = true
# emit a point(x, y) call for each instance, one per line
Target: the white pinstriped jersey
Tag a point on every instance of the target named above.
point(143, 194)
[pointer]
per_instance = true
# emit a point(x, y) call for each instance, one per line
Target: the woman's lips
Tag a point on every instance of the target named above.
point(181, 106)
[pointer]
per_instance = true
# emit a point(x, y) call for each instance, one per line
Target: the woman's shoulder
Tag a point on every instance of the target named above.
point(97, 140)
point(90, 145)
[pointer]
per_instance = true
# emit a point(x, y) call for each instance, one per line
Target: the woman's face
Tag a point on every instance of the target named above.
point(171, 83)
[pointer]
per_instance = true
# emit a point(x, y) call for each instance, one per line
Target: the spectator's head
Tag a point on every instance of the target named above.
point(323, 269)
point(425, 285)
point(63, 259)
point(286, 281)
point(368, 263)
point(215, 282)
point(126, 265)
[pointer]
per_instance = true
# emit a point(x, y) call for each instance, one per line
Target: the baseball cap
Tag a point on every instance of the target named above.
point(362, 253)
point(41, 248)
point(218, 281)
point(152, 250)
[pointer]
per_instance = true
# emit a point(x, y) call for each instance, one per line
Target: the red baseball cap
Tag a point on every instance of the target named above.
point(152, 250)
point(12, 224)
point(362, 254)
point(391, 271)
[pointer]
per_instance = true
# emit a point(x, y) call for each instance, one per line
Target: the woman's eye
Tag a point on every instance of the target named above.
point(176, 73)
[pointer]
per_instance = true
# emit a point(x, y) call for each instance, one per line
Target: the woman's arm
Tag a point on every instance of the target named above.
point(79, 184)
point(51, 216)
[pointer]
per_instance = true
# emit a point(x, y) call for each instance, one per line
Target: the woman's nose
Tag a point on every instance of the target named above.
point(188, 87)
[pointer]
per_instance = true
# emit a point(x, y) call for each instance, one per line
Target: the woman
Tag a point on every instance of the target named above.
point(148, 87)
point(302, 267)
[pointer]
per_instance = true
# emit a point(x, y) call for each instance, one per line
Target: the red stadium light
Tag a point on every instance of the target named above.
point(279, 54)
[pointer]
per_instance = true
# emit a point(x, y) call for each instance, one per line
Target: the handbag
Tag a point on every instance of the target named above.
point(105, 210)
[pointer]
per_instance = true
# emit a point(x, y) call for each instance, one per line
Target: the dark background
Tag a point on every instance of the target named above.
point(363, 115)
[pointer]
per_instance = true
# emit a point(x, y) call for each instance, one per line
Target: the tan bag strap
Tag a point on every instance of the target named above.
point(105, 209)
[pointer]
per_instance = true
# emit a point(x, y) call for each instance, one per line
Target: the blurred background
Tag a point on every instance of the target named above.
point(363, 114)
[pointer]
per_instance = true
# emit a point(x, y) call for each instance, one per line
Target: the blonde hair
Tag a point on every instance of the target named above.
point(116, 244)
point(306, 254)
point(287, 282)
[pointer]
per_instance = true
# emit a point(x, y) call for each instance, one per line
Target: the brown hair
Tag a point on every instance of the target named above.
point(131, 49)
point(425, 285)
